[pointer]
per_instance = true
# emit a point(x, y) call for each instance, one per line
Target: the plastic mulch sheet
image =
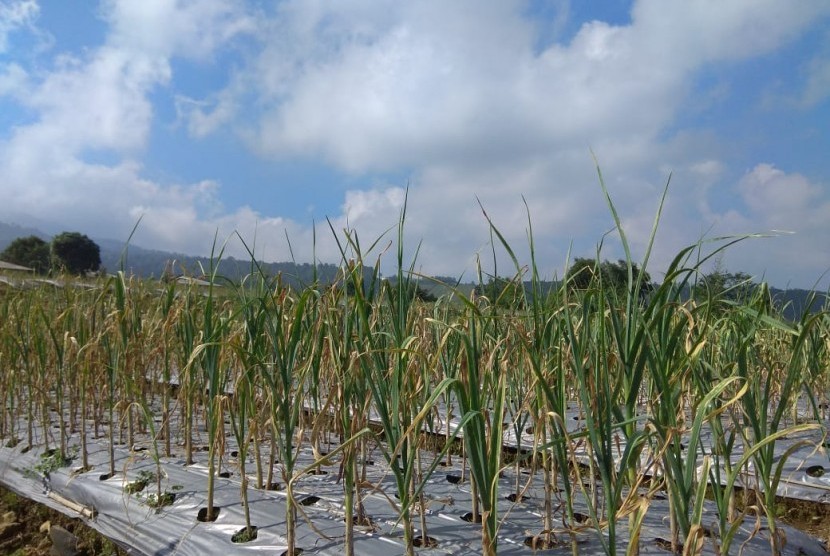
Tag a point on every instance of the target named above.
point(129, 519)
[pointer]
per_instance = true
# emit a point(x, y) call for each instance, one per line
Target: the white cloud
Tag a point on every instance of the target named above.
point(13, 80)
point(782, 200)
point(708, 170)
point(438, 82)
point(458, 95)
point(15, 15)
point(201, 120)
point(98, 103)
point(790, 208)
point(817, 88)
point(95, 103)
point(165, 28)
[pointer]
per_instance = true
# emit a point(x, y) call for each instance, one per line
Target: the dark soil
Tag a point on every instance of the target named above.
point(31, 539)
point(811, 517)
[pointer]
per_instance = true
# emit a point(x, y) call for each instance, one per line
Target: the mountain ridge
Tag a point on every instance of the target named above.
point(153, 263)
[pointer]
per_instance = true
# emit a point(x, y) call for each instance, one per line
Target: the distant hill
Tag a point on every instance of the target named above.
point(151, 263)
point(793, 303)
point(10, 232)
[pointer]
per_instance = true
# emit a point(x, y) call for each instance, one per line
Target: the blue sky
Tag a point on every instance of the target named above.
point(267, 118)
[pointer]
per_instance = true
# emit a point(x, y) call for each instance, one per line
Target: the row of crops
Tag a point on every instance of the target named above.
point(484, 382)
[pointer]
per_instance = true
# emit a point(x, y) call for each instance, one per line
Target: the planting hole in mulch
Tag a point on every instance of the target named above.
point(815, 471)
point(135, 487)
point(309, 500)
point(225, 474)
point(517, 497)
point(106, 476)
point(420, 542)
point(235, 453)
point(14, 441)
point(581, 518)
point(665, 544)
point(453, 478)
point(362, 521)
point(296, 551)
point(275, 486)
point(203, 516)
point(539, 542)
point(468, 517)
point(158, 502)
point(318, 471)
point(82, 470)
point(246, 534)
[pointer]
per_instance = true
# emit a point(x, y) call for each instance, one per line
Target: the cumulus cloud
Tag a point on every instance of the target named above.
point(473, 101)
point(98, 103)
point(15, 15)
point(161, 28)
point(779, 198)
point(791, 213)
point(465, 97)
point(817, 88)
point(442, 82)
point(13, 80)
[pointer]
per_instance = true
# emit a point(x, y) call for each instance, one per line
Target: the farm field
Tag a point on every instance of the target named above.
point(355, 418)
point(364, 278)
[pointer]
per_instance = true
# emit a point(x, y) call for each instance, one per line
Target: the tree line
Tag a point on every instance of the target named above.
point(720, 287)
point(68, 252)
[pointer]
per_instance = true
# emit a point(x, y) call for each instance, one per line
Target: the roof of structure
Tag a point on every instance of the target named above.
point(11, 266)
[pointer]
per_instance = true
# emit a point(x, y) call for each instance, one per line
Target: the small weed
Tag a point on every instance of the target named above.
point(52, 460)
point(156, 501)
point(135, 487)
point(10, 500)
point(246, 534)
point(144, 479)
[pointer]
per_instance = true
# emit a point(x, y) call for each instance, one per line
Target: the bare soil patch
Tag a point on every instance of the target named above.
point(30, 535)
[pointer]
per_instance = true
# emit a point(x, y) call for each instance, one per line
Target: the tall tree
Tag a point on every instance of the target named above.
point(720, 284)
point(582, 274)
point(75, 253)
point(30, 251)
point(502, 291)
